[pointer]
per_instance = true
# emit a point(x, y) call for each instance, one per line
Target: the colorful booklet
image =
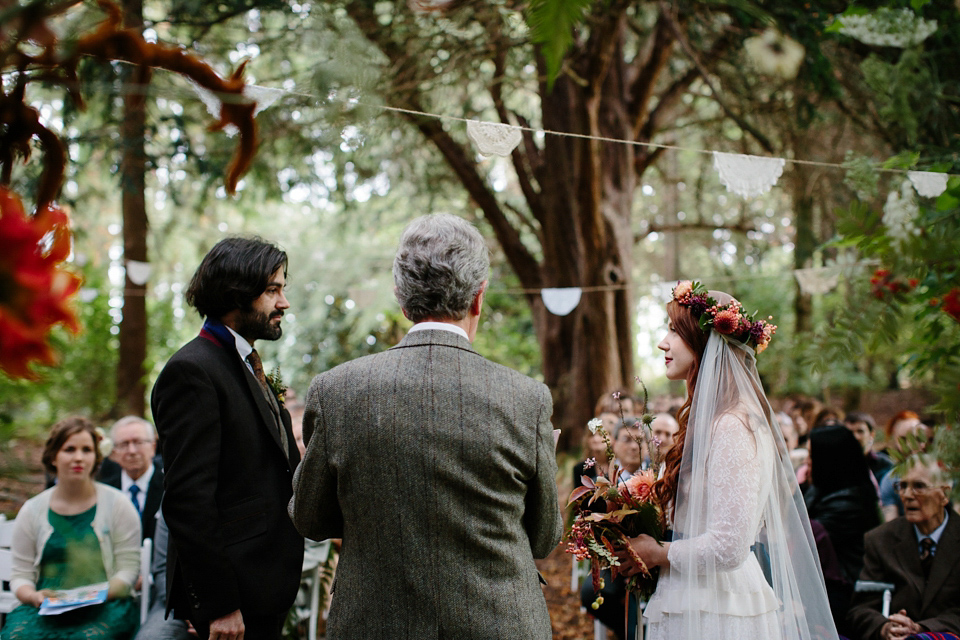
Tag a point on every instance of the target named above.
point(70, 599)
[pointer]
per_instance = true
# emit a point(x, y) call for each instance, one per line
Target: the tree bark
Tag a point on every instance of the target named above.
point(131, 384)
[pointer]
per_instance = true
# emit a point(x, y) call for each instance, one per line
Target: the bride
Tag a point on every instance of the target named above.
point(742, 563)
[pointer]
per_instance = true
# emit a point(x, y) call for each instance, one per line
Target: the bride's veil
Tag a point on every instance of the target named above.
point(728, 391)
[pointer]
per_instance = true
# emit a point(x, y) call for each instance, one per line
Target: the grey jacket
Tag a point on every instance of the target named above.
point(437, 468)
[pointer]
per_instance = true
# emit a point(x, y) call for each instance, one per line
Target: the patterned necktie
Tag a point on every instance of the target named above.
point(257, 365)
point(926, 555)
point(134, 492)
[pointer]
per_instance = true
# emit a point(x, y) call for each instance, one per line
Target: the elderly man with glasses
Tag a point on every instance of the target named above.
point(919, 553)
point(137, 471)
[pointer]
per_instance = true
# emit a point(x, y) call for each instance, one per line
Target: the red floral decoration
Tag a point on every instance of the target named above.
point(34, 289)
point(883, 285)
point(951, 303)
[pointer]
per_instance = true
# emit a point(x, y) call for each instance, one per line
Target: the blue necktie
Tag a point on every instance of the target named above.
point(134, 491)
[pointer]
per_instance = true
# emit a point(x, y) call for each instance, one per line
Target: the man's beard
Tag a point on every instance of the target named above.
point(254, 325)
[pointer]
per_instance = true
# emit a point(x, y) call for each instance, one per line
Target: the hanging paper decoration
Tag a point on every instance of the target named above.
point(928, 183)
point(560, 302)
point(493, 138)
point(747, 176)
point(138, 272)
point(816, 281)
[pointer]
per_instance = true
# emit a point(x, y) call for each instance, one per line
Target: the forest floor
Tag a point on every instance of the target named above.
point(22, 458)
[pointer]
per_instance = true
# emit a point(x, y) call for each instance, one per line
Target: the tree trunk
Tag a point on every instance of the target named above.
point(131, 385)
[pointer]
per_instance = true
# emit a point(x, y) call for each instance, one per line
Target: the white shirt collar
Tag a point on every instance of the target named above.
point(143, 481)
point(439, 326)
point(936, 533)
point(243, 347)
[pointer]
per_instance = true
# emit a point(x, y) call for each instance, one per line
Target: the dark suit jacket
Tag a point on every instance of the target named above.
point(110, 474)
point(437, 468)
point(892, 556)
point(228, 480)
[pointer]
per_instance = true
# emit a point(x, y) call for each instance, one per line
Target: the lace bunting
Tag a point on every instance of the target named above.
point(816, 281)
point(747, 176)
point(560, 302)
point(492, 138)
point(138, 272)
point(928, 183)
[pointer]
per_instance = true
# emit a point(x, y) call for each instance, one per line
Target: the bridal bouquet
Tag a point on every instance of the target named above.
point(629, 510)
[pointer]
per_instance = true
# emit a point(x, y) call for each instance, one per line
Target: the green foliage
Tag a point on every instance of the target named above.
point(901, 91)
point(552, 24)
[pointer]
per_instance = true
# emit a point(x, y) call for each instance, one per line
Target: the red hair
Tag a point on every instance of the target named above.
point(688, 328)
point(903, 415)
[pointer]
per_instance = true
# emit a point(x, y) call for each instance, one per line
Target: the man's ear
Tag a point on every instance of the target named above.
point(477, 303)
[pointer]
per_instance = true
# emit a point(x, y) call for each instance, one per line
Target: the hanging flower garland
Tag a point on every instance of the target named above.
point(35, 291)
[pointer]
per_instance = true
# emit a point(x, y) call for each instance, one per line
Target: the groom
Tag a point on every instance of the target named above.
point(435, 466)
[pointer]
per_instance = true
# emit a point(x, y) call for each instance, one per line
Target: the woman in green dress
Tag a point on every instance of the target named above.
point(74, 534)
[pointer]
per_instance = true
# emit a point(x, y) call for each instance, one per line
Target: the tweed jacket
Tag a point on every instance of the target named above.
point(892, 556)
point(437, 468)
point(227, 483)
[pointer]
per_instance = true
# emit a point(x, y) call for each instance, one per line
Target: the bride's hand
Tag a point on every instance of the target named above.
point(653, 554)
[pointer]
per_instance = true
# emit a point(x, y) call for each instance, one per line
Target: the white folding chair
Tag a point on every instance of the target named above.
point(8, 601)
point(146, 574)
point(869, 586)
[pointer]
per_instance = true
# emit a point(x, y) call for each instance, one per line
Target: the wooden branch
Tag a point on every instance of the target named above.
point(739, 227)
point(593, 64)
point(523, 262)
point(648, 71)
point(705, 75)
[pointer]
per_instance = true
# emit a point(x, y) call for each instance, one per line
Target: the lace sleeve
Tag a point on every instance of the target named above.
point(733, 489)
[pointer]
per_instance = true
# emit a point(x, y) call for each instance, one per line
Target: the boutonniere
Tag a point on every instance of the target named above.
point(275, 380)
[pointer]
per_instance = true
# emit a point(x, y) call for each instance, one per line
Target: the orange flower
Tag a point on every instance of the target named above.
point(34, 291)
point(726, 322)
point(640, 484)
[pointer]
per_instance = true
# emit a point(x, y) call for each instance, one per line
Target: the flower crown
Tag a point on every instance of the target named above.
point(726, 319)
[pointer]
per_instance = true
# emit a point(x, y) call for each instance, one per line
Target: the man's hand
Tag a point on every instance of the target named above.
point(899, 626)
point(229, 627)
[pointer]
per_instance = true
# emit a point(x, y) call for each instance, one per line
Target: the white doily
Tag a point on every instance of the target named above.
point(138, 272)
point(747, 176)
point(560, 302)
point(816, 281)
point(492, 138)
point(928, 183)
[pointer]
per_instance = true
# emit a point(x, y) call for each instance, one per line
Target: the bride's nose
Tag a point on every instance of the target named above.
point(663, 346)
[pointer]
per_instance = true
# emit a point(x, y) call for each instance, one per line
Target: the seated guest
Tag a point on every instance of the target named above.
point(919, 553)
point(138, 471)
point(890, 502)
point(863, 428)
point(593, 447)
point(841, 495)
point(664, 429)
point(158, 626)
point(74, 534)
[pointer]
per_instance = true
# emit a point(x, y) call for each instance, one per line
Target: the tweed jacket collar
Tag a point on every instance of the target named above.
point(435, 337)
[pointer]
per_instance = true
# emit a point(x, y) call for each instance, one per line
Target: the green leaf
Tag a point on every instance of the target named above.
point(918, 4)
point(551, 25)
point(903, 160)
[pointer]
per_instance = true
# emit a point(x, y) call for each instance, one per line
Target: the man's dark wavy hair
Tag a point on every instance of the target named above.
point(233, 274)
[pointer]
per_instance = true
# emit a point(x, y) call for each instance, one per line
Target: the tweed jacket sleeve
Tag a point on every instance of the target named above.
point(542, 518)
point(314, 508)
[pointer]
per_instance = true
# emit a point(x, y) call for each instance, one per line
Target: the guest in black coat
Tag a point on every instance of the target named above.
point(234, 556)
point(841, 496)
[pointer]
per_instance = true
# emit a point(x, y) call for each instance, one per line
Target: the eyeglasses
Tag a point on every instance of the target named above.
point(917, 487)
point(120, 446)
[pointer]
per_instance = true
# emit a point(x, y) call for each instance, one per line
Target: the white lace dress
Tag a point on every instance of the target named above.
point(738, 602)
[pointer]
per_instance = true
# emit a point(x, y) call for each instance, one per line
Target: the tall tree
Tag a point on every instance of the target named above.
point(626, 77)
